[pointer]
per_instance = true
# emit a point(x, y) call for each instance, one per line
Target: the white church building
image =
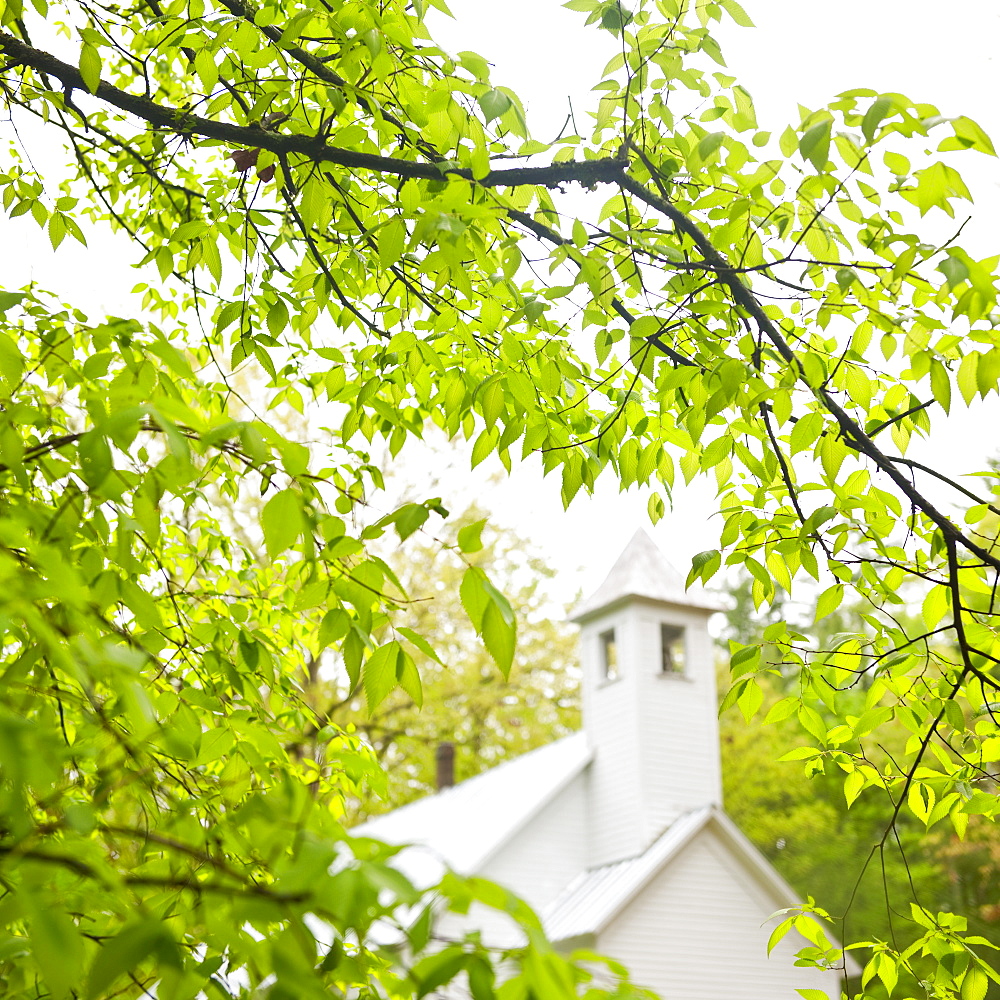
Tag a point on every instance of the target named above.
point(616, 835)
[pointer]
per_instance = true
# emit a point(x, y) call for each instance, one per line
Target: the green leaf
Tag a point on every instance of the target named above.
point(434, 971)
point(409, 518)
point(491, 397)
point(614, 17)
point(874, 117)
point(95, 458)
point(10, 299)
point(469, 536)
point(277, 317)
point(781, 710)
point(420, 642)
point(210, 255)
point(205, 67)
point(57, 229)
point(380, 673)
point(90, 67)
point(408, 678)
point(704, 565)
point(162, 348)
point(829, 601)
point(281, 522)
point(476, 65)
point(954, 271)
point(814, 145)
point(491, 615)
point(709, 144)
point(968, 135)
point(313, 204)
point(57, 947)
point(975, 983)
point(750, 699)
point(334, 626)
point(474, 595)
point(11, 362)
point(941, 385)
point(737, 13)
point(936, 186)
point(128, 949)
point(495, 104)
point(481, 978)
point(392, 241)
point(778, 934)
point(499, 636)
point(655, 507)
point(966, 377)
point(935, 606)
point(853, 784)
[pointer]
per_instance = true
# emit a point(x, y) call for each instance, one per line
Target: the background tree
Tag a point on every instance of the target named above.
point(487, 716)
point(817, 833)
point(335, 202)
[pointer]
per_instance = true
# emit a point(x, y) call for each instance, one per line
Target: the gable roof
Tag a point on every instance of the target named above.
point(595, 897)
point(462, 827)
point(642, 571)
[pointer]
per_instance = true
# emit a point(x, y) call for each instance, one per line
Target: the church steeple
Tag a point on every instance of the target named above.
point(649, 701)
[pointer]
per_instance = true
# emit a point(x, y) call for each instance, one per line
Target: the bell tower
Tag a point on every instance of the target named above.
point(650, 705)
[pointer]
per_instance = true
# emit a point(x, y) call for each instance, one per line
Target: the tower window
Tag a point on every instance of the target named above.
point(609, 654)
point(672, 659)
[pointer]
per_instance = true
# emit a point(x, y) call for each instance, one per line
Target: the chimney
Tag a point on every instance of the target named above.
point(445, 759)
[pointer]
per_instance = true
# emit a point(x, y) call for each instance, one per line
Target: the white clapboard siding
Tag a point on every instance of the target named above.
point(609, 712)
point(677, 715)
point(699, 931)
point(655, 736)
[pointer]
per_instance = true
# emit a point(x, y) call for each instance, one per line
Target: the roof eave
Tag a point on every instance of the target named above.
point(703, 604)
point(675, 849)
point(756, 865)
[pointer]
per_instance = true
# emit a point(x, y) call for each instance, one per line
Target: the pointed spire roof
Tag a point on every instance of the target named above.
point(642, 571)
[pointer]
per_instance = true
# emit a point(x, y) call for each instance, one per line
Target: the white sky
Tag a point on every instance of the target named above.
point(941, 53)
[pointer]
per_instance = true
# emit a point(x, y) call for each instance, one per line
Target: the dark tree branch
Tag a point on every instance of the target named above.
point(853, 435)
point(899, 460)
point(900, 416)
point(185, 123)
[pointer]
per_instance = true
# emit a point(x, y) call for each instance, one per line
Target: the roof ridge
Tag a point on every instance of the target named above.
point(642, 571)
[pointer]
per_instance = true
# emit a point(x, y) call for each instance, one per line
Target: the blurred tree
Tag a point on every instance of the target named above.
point(821, 846)
point(844, 854)
point(466, 700)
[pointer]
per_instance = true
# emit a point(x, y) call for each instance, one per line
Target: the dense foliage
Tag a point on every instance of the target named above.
point(364, 221)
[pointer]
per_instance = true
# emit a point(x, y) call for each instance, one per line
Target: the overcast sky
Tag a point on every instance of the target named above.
point(941, 53)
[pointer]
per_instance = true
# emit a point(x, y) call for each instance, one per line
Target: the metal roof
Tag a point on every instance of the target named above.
point(594, 897)
point(592, 900)
point(462, 827)
point(642, 571)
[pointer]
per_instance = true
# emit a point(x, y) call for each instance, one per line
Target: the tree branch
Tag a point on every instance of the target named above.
point(853, 435)
point(899, 460)
point(182, 122)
